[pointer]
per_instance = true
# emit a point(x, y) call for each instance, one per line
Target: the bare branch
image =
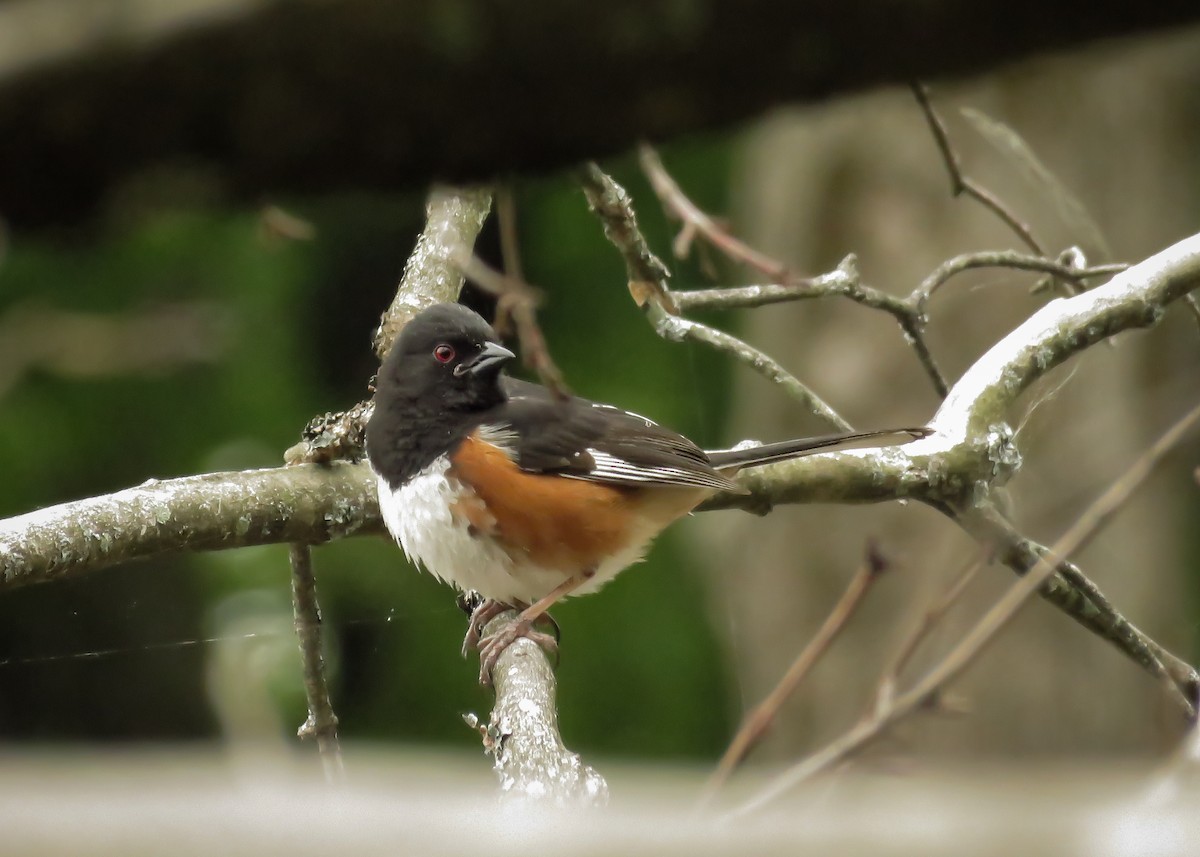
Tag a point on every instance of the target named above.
point(1094, 518)
point(844, 281)
point(1006, 259)
point(676, 329)
point(321, 723)
point(758, 722)
point(1077, 596)
point(696, 222)
point(611, 204)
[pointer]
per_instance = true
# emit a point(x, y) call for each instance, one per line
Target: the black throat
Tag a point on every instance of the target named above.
point(407, 433)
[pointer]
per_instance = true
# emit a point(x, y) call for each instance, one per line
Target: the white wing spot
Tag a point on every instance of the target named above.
point(649, 422)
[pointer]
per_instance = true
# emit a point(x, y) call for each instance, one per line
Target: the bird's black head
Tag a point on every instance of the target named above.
point(444, 366)
point(447, 357)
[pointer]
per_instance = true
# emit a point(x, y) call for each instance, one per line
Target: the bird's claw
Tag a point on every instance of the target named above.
point(494, 644)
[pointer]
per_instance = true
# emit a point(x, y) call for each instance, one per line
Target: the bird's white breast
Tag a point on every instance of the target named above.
point(418, 515)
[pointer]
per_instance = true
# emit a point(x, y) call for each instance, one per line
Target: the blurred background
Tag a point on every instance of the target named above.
point(176, 328)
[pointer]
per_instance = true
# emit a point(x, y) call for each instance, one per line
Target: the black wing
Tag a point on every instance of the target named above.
point(588, 440)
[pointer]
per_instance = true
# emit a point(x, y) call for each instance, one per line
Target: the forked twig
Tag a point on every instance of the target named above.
point(696, 222)
point(648, 285)
point(960, 183)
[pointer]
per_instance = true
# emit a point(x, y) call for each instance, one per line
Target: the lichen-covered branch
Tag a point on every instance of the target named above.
point(307, 503)
point(1077, 596)
point(1135, 298)
point(522, 734)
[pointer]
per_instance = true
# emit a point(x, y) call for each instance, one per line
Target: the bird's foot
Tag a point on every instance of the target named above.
point(482, 611)
point(494, 644)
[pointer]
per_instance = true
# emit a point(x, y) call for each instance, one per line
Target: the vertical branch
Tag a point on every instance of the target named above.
point(522, 734)
point(454, 217)
point(453, 220)
point(321, 723)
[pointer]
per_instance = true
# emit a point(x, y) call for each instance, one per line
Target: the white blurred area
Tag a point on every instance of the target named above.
point(185, 803)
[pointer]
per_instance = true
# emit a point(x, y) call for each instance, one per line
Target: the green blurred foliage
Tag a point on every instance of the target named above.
point(180, 648)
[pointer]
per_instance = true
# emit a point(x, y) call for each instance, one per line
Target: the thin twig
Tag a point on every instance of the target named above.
point(517, 301)
point(697, 222)
point(676, 329)
point(1006, 259)
point(758, 721)
point(1094, 518)
point(506, 219)
point(321, 723)
point(961, 183)
point(844, 281)
point(885, 691)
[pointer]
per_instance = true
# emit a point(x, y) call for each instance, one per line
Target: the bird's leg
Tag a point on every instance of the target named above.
point(493, 644)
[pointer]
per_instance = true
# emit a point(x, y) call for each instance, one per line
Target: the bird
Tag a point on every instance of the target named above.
point(524, 495)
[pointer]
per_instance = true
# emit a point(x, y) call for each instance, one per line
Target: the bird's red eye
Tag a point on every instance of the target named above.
point(443, 353)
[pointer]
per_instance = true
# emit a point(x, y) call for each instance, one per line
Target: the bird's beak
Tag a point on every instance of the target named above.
point(492, 353)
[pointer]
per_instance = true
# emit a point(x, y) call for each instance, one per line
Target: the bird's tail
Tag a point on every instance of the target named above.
point(730, 461)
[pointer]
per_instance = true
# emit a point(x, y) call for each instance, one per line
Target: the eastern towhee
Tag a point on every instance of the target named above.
point(497, 485)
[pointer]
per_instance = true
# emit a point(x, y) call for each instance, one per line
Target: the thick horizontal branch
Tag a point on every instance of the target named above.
point(312, 503)
point(389, 94)
point(306, 503)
